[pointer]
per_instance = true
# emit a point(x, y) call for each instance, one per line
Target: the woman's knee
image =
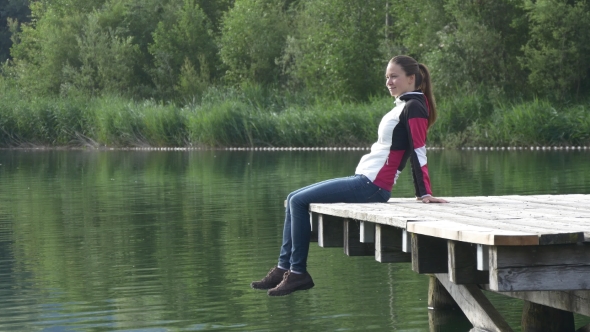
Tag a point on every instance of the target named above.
point(290, 196)
point(297, 200)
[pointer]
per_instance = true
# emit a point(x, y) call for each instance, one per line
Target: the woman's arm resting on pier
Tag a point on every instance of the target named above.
point(431, 199)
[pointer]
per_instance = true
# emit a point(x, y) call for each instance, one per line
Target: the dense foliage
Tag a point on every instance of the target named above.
point(177, 54)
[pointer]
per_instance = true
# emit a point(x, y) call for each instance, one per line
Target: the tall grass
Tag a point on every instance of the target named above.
point(256, 117)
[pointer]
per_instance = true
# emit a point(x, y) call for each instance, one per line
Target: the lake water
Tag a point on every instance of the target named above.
point(169, 241)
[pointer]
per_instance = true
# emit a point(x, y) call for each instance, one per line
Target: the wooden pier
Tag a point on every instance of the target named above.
point(534, 248)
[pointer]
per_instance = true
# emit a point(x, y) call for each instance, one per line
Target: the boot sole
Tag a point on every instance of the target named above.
point(302, 287)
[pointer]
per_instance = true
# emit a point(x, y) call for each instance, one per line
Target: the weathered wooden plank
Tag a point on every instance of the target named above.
point(540, 278)
point(388, 245)
point(367, 232)
point(374, 212)
point(501, 210)
point(330, 231)
point(463, 264)
point(571, 201)
point(575, 301)
point(539, 201)
point(505, 215)
point(550, 235)
point(549, 231)
point(429, 254)
point(537, 317)
point(473, 234)
point(352, 242)
point(542, 268)
point(475, 305)
point(563, 254)
point(546, 212)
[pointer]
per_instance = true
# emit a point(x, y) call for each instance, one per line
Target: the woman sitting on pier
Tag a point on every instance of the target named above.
point(402, 135)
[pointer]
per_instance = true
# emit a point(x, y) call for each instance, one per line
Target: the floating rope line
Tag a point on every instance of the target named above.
point(295, 148)
point(535, 148)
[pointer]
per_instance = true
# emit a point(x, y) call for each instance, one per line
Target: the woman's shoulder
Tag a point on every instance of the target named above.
point(416, 108)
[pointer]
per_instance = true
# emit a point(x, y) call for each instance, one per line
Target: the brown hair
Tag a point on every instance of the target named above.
point(412, 67)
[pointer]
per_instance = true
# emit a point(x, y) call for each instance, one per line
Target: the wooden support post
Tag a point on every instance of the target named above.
point(475, 305)
point(313, 220)
point(330, 231)
point(367, 232)
point(448, 320)
point(388, 245)
point(463, 264)
point(443, 310)
point(438, 296)
point(429, 254)
point(352, 243)
point(540, 268)
point(537, 318)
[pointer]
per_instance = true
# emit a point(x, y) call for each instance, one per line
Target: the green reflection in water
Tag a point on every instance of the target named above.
point(169, 241)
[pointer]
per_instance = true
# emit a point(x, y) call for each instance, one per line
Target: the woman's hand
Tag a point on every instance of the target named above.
point(431, 199)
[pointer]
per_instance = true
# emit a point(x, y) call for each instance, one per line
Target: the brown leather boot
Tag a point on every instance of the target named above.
point(272, 279)
point(292, 282)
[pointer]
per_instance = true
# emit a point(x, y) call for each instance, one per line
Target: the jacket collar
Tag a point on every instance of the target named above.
point(409, 95)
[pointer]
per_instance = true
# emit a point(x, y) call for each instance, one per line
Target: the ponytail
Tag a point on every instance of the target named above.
point(422, 81)
point(426, 87)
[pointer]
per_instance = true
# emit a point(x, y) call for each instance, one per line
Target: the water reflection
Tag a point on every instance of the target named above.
point(169, 241)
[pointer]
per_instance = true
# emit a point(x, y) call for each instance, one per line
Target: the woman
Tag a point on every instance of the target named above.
point(402, 135)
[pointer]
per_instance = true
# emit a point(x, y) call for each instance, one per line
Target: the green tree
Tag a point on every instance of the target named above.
point(215, 11)
point(416, 26)
point(479, 46)
point(557, 52)
point(183, 35)
point(107, 62)
point(335, 48)
point(43, 47)
point(136, 19)
point(253, 36)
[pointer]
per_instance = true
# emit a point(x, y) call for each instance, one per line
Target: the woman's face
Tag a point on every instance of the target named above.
point(397, 82)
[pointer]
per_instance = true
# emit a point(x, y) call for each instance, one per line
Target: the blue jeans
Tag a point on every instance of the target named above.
point(297, 229)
